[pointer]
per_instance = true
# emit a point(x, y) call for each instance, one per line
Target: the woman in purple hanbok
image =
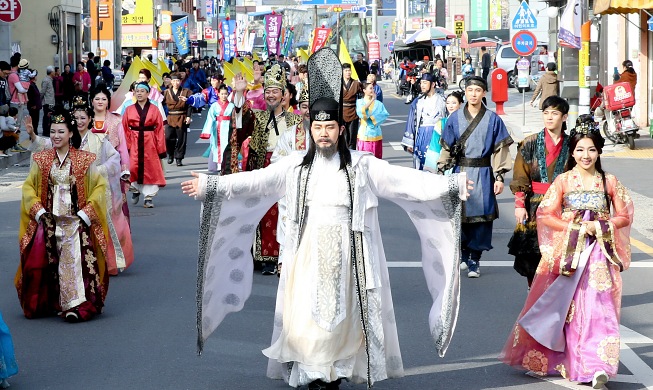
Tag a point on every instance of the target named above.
point(570, 322)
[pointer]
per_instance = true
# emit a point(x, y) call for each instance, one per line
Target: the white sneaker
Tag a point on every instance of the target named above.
point(474, 274)
point(600, 379)
point(463, 266)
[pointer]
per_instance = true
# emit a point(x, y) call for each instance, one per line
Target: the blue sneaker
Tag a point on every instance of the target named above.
point(474, 269)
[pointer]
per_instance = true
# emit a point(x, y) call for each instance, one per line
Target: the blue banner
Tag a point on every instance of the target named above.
point(180, 35)
point(287, 46)
point(228, 39)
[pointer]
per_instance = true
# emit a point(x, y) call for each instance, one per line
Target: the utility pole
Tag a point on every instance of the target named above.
point(99, 25)
point(337, 9)
point(375, 13)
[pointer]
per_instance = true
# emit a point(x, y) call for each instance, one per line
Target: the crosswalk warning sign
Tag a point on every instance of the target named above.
point(524, 19)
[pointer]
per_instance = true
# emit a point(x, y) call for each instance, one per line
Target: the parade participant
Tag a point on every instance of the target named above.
point(155, 96)
point(262, 130)
point(289, 101)
point(8, 365)
point(120, 252)
point(302, 74)
point(217, 128)
point(569, 325)
point(105, 122)
point(372, 113)
point(350, 90)
point(453, 103)
point(196, 78)
point(146, 143)
point(255, 91)
point(540, 159)
point(424, 116)
point(475, 140)
point(179, 117)
point(291, 141)
point(63, 230)
point(371, 78)
point(334, 313)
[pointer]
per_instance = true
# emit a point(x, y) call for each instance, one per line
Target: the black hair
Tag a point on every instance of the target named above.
point(293, 94)
point(556, 102)
point(89, 112)
point(14, 60)
point(458, 95)
point(106, 63)
point(4, 65)
point(13, 111)
point(102, 88)
point(628, 65)
point(343, 150)
point(82, 64)
point(551, 67)
point(90, 54)
point(597, 139)
point(165, 74)
point(223, 86)
point(76, 139)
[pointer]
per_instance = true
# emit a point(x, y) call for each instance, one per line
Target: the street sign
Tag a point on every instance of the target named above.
point(524, 43)
point(10, 10)
point(459, 25)
point(524, 18)
point(208, 32)
point(523, 64)
point(358, 9)
point(391, 46)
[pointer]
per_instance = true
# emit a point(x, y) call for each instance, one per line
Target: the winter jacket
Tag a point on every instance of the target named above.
point(548, 86)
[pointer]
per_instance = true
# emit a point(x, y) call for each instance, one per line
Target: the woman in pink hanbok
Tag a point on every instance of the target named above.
point(569, 325)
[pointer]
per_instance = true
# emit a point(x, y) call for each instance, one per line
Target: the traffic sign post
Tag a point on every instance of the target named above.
point(522, 83)
point(524, 19)
point(361, 9)
point(524, 43)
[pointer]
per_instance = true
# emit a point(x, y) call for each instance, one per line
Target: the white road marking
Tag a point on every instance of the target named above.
point(396, 146)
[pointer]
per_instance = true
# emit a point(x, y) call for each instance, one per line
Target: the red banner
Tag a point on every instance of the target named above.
point(373, 47)
point(320, 36)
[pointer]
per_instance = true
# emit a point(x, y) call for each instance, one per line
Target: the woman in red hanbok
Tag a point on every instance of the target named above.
point(570, 322)
point(146, 143)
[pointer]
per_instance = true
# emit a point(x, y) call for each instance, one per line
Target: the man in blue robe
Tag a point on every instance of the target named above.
point(475, 140)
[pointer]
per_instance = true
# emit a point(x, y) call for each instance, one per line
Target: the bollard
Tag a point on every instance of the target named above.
point(499, 89)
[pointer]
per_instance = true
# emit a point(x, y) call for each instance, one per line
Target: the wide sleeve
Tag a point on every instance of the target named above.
point(126, 132)
point(210, 122)
point(377, 114)
point(109, 168)
point(122, 148)
point(283, 147)
point(502, 162)
point(31, 202)
point(615, 233)
point(433, 203)
point(160, 136)
point(521, 175)
point(232, 206)
point(554, 232)
point(39, 144)
point(96, 207)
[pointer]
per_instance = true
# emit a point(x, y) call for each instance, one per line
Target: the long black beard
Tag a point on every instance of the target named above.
point(327, 151)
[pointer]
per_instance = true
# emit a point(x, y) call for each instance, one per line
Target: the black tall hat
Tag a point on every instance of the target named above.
point(325, 79)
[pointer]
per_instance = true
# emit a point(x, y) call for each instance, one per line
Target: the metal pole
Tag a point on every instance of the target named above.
point(523, 105)
point(375, 13)
point(97, 2)
point(338, 35)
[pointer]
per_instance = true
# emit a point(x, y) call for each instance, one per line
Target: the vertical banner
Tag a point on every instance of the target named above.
point(165, 30)
point(228, 44)
point(320, 37)
point(287, 46)
point(570, 24)
point(479, 15)
point(272, 33)
point(210, 11)
point(180, 35)
point(495, 14)
point(106, 19)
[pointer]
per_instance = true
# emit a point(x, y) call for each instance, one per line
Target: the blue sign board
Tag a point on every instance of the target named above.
point(358, 8)
point(391, 46)
point(524, 18)
point(524, 43)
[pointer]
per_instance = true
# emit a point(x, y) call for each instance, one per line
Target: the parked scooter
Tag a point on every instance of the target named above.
point(619, 125)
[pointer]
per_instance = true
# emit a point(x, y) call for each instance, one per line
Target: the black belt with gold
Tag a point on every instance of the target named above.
point(475, 162)
point(177, 113)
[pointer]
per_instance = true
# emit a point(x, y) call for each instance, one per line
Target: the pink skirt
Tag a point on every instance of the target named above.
point(376, 147)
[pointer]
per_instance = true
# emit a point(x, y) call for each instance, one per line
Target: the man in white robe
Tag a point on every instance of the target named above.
point(339, 323)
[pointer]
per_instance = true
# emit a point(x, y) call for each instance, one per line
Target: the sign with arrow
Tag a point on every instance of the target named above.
point(361, 9)
point(524, 19)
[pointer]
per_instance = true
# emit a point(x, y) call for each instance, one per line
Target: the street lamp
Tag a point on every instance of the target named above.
point(337, 9)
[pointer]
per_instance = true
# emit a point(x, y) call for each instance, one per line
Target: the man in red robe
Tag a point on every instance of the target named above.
point(146, 143)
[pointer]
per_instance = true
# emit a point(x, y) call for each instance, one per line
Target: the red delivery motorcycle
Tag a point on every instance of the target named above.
point(619, 126)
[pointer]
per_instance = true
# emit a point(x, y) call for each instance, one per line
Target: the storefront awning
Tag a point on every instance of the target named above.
point(621, 6)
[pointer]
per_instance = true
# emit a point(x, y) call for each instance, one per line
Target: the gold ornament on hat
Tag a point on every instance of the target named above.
point(275, 77)
point(303, 95)
point(79, 102)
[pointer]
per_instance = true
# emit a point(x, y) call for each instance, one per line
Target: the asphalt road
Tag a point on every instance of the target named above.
point(146, 337)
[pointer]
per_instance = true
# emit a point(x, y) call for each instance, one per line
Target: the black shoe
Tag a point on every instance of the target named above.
point(135, 197)
point(269, 269)
point(71, 316)
point(171, 160)
point(179, 162)
point(148, 204)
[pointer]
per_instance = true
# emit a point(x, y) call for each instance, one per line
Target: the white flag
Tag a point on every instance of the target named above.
point(570, 23)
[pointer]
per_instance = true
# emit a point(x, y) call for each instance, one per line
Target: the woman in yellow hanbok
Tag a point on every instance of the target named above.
point(63, 230)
